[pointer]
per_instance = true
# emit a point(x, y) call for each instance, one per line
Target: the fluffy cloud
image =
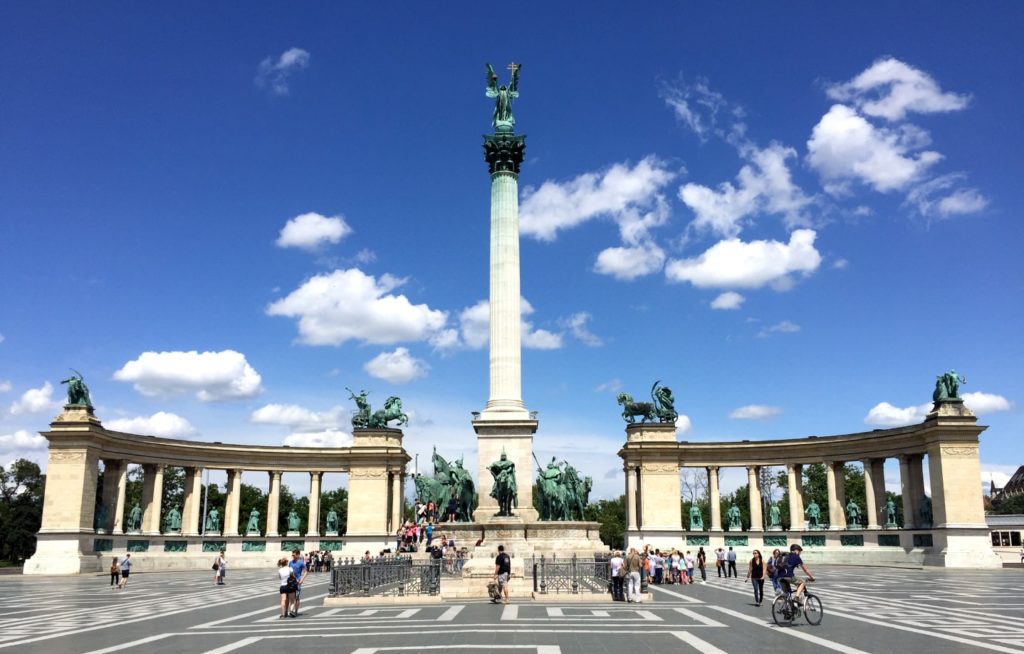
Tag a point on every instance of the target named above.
point(610, 386)
point(327, 438)
point(683, 424)
point(311, 230)
point(577, 326)
point(333, 308)
point(844, 146)
point(212, 376)
point(697, 106)
point(273, 75)
point(630, 195)
point(474, 330)
point(297, 417)
point(755, 412)
point(983, 403)
point(784, 327)
point(5, 386)
point(935, 197)
point(160, 423)
point(887, 415)
point(21, 440)
point(764, 185)
point(35, 400)
point(398, 367)
point(728, 300)
point(733, 263)
point(890, 89)
point(630, 262)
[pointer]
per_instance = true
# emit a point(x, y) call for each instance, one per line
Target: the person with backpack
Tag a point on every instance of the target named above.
point(115, 574)
point(775, 564)
point(702, 563)
point(287, 585)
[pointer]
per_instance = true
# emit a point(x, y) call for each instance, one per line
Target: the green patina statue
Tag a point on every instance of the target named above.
point(504, 490)
point(293, 521)
point(78, 392)
point(563, 495)
point(813, 514)
point(696, 519)
point(502, 118)
point(852, 513)
point(661, 407)
point(926, 511)
point(99, 520)
point(172, 521)
point(213, 521)
point(135, 518)
point(449, 481)
point(364, 419)
point(332, 521)
point(253, 527)
point(890, 513)
point(774, 516)
point(733, 514)
point(947, 387)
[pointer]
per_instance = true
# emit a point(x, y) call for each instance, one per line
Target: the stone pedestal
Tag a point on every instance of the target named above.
point(170, 532)
point(255, 534)
point(334, 534)
point(775, 528)
point(293, 534)
point(211, 534)
point(515, 439)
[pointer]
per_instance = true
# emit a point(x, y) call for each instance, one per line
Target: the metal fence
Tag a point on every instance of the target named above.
point(386, 576)
point(573, 575)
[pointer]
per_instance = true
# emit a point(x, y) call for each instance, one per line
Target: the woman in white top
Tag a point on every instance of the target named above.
point(287, 585)
point(675, 567)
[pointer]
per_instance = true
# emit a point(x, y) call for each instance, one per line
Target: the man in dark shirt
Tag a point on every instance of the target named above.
point(502, 571)
point(788, 576)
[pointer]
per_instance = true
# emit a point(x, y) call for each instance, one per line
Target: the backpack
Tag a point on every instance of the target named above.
point(781, 562)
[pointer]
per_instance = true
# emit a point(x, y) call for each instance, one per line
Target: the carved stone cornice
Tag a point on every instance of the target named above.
point(504, 152)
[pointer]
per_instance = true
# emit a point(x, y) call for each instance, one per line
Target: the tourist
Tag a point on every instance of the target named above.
point(286, 585)
point(788, 577)
point(300, 570)
point(367, 558)
point(674, 567)
point(220, 569)
point(755, 574)
point(658, 562)
point(115, 574)
point(633, 567)
point(126, 569)
point(431, 512)
point(430, 533)
point(502, 572)
point(689, 567)
point(720, 561)
point(449, 513)
point(418, 509)
point(774, 565)
point(730, 558)
point(702, 563)
point(617, 571)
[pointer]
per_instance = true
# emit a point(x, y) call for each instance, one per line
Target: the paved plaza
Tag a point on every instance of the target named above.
point(866, 610)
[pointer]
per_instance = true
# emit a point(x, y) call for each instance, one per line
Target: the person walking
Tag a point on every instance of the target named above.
point(633, 567)
point(720, 561)
point(286, 585)
point(689, 567)
point(617, 571)
point(773, 564)
point(299, 569)
point(730, 558)
point(502, 572)
point(674, 567)
point(658, 561)
point(115, 574)
point(702, 563)
point(222, 569)
point(126, 569)
point(755, 574)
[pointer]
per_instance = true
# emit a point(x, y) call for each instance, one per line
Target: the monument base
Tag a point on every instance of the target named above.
point(211, 534)
point(331, 534)
point(253, 533)
point(775, 528)
point(293, 534)
point(497, 434)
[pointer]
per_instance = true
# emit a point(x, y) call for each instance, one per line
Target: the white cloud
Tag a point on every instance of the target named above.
point(733, 263)
point(630, 262)
point(887, 415)
point(273, 75)
point(840, 264)
point(982, 403)
point(398, 367)
point(2, 338)
point(999, 473)
point(728, 300)
point(696, 106)
point(844, 146)
point(5, 386)
point(890, 89)
point(764, 185)
point(312, 230)
point(36, 400)
point(577, 326)
point(755, 412)
point(297, 417)
point(474, 330)
point(683, 424)
point(611, 386)
point(621, 192)
point(333, 308)
point(213, 376)
point(541, 339)
point(327, 438)
point(160, 423)
point(21, 440)
point(784, 327)
point(962, 200)
point(365, 256)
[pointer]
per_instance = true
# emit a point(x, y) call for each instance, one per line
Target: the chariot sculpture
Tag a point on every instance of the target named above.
point(661, 407)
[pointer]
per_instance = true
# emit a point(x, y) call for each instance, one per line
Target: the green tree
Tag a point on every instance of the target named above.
point(612, 516)
point(1014, 504)
point(337, 500)
point(21, 509)
point(741, 498)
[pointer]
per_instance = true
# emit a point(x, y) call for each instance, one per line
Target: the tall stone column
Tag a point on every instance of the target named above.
point(917, 486)
point(715, 498)
point(313, 520)
point(233, 501)
point(907, 489)
point(834, 510)
point(796, 513)
point(396, 500)
point(754, 491)
point(870, 499)
point(152, 494)
point(122, 488)
point(192, 505)
point(631, 498)
point(274, 504)
point(111, 478)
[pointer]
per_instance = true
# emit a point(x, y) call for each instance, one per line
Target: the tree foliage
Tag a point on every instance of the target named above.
point(1014, 504)
point(612, 516)
point(21, 509)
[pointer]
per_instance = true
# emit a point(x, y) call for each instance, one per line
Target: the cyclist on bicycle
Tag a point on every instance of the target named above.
point(788, 576)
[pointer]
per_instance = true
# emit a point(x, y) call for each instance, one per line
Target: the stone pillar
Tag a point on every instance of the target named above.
point(631, 498)
point(504, 153)
point(514, 438)
point(871, 506)
point(111, 487)
point(796, 513)
point(800, 495)
point(907, 489)
point(234, 499)
point(376, 453)
point(313, 520)
point(193, 503)
point(69, 499)
point(917, 486)
point(754, 489)
point(152, 495)
point(715, 499)
point(274, 504)
point(836, 514)
point(396, 500)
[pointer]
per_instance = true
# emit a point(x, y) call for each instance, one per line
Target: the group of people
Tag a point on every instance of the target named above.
point(291, 575)
point(780, 569)
point(120, 570)
point(319, 561)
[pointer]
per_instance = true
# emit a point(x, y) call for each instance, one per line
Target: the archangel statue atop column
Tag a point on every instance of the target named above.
point(502, 119)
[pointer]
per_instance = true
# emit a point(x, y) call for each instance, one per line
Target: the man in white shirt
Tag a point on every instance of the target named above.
point(616, 564)
point(720, 561)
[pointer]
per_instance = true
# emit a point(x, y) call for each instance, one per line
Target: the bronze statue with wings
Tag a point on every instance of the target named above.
point(502, 119)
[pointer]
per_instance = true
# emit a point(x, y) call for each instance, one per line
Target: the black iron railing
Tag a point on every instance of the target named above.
point(572, 575)
point(386, 576)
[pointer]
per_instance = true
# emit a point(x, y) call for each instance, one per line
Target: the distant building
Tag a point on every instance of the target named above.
point(1013, 487)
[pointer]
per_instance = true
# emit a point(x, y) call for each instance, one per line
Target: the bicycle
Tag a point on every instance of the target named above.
point(785, 608)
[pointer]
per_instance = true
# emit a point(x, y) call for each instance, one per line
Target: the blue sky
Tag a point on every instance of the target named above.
point(793, 216)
